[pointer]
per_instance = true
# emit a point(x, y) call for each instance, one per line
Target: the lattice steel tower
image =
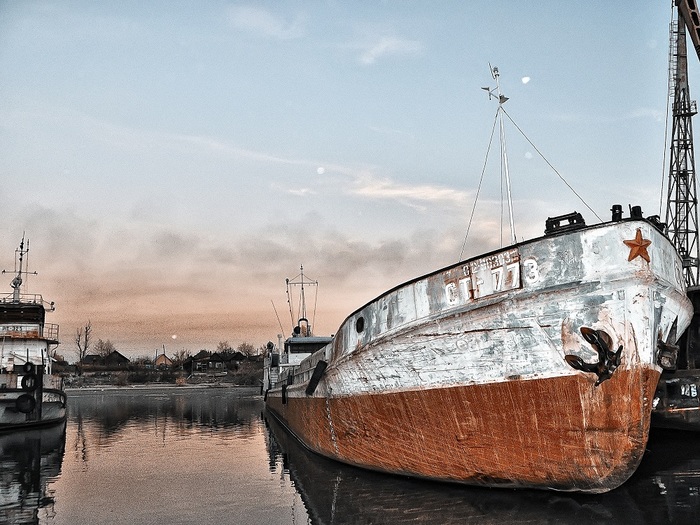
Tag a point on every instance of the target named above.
point(681, 210)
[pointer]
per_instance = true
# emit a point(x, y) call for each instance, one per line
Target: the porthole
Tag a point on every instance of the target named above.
point(360, 324)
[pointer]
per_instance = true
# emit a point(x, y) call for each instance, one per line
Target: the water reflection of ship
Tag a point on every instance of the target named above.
point(29, 460)
point(666, 489)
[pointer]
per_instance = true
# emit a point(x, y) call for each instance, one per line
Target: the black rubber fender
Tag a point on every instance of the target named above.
point(25, 403)
point(316, 377)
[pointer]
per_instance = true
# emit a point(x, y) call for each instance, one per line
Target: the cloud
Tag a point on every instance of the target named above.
point(391, 131)
point(369, 186)
point(640, 113)
point(387, 46)
point(266, 24)
point(355, 180)
point(138, 286)
point(644, 113)
point(141, 287)
point(301, 192)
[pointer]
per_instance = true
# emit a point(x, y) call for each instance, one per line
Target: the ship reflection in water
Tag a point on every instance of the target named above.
point(29, 460)
point(665, 489)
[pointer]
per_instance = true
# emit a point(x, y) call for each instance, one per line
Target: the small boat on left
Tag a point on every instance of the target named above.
point(30, 394)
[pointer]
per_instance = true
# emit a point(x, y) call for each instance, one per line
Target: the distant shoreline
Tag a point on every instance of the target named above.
point(93, 389)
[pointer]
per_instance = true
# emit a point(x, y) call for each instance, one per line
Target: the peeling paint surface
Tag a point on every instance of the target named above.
point(461, 375)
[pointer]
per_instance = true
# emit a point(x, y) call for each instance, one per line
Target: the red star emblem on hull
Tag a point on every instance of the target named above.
point(638, 247)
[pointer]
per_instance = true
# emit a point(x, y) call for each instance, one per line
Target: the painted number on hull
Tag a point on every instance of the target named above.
point(690, 390)
point(487, 276)
point(531, 272)
point(18, 329)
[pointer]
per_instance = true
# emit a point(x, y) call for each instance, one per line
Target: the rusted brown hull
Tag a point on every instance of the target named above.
point(556, 433)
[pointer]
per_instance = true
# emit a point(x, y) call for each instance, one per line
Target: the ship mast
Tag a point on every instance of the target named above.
point(681, 211)
point(16, 283)
point(504, 154)
point(302, 318)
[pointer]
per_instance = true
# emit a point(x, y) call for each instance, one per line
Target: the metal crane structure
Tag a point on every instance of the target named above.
point(681, 211)
point(677, 397)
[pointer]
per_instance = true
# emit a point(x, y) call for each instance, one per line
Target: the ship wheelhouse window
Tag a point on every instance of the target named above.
point(360, 325)
point(302, 348)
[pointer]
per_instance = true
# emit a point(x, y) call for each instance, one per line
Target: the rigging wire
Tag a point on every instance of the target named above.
point(483, 170)
point(478, 189)
point(289, 302)
point(278, 318)
point(313, 317)
point(500, 189)
point(551, 166)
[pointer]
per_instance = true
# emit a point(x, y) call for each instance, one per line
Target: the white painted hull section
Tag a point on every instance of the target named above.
point(52, 400)
point(432, 333)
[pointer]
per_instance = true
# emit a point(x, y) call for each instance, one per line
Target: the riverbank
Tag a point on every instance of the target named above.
point(240, 390)
point(244, 374)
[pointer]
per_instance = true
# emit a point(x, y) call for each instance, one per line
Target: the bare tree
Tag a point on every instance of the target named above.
point(246, 349)
point(82, 341)
point(224, 348)
point(181, 356)
point(104, 348)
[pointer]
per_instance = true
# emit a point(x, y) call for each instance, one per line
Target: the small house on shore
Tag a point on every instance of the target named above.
point(163, 361)
point(205, 362)
point(116, 360)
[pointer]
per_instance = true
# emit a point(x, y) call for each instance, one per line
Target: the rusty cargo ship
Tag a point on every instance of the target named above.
point(531, 366)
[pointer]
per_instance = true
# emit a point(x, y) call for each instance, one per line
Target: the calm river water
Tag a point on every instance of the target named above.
point(211, 456)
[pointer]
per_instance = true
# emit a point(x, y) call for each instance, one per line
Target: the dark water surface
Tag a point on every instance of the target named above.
point(172, 455)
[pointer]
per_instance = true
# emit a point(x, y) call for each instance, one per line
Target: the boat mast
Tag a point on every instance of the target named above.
point(300, 281)
point(504, 154)
point(16, 283)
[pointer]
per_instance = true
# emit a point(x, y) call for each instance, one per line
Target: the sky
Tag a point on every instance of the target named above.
point(173, 162)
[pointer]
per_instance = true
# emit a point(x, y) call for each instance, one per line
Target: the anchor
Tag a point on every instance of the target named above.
point(608, 361)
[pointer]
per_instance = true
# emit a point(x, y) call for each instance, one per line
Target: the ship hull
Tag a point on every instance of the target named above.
point(486, 372)
point(677, 401)
point(555, 433)
point(22, 409)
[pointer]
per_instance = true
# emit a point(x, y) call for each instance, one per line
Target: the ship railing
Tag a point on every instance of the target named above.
point(27, 298)
point(48, 331)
